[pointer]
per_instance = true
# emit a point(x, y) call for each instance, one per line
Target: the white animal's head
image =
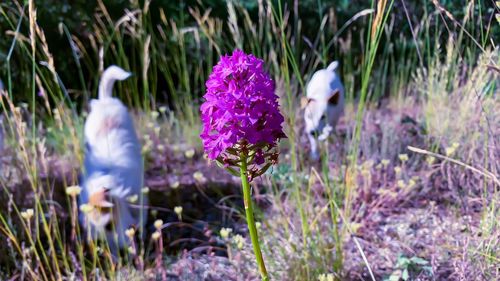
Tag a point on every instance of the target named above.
point(111, 213)
point(323, 106)
point(325, 101)
point(98, 189)
point(109, 76)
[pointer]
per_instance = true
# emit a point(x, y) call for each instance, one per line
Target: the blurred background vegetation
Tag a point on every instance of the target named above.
point(167, 21)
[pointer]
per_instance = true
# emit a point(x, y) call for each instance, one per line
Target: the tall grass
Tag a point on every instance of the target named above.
point(310, 229)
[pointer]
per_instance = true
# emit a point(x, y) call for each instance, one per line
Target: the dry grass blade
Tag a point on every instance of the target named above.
point(452, 18)
point(358, 15)
point(378, 17)
point(480, 170)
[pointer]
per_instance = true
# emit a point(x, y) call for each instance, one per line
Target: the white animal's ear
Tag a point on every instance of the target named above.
point(334, 97)
point(333, 66)
point(304, 102)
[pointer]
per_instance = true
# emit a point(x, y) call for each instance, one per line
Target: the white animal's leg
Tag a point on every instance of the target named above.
point(326, 132)
point(314, 147)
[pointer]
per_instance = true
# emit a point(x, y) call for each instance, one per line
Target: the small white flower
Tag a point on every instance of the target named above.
point(158, 224)
point(162, 109)
point(401, 184)
point(450, 150)
point(73, 191)
point(156, 235)
point(411, 183)
point(178, 211)
point(239, 241)
point(403, 157)
point(133, 198)
point(175, 184)
point(326, 277)
point(145, 149)
point(397, 170)
point(86, 208)
point(199, 177)
point(224, 232)
point(131, 250)
point(28, 214)
point(430, 160)
point(130, 232)
point(189, 153)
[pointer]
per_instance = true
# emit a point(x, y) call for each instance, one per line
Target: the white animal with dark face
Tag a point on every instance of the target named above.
point(113, 174)
point(324, 105)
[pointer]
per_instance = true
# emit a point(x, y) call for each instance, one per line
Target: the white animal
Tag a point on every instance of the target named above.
point(324, 105)
point(113, 175)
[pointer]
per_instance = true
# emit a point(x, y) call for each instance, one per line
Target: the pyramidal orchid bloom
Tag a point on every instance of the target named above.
point(242, 125)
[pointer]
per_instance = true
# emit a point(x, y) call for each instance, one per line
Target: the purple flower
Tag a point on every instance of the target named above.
point(240, 109)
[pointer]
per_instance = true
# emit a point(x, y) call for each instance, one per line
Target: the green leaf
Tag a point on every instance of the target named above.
point(229, 169)
point(395, 276)
point(403, 262)
point(233, 171)
point(263, 170)
point(419, 261)
point(405, 275)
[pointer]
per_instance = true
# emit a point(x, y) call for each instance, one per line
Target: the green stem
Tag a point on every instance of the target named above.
point(250, 219)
